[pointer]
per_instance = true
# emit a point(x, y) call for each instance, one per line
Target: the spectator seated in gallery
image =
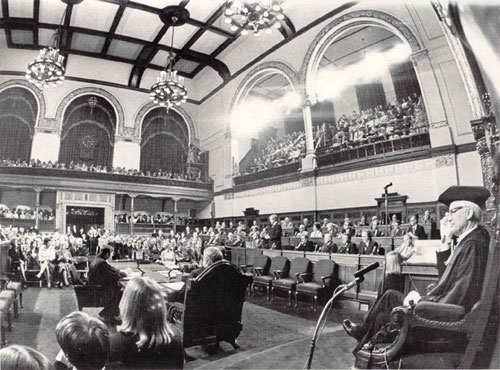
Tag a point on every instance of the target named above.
point(328, 245)
point(367, 245)
point(347, 246)
point(316, 233)
point(305, 244)
point(374, 227)
point(348, 228)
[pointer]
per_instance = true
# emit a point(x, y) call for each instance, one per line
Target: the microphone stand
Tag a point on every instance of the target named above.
point(344, 288)
point(387, 226)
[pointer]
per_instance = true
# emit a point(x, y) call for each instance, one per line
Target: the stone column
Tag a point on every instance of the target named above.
point(132, 197)
point(309, 162)
point(176, 200)
point(38, 192)
point(439, 131)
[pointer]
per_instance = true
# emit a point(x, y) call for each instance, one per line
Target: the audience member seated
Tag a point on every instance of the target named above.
point(302, 231)
point(367, 245)
point(415, 229)
point(277, 152)
point(145, 340)
point(328, 245)
point(84, 342)
point(316, 233)
point(347, 246)
point(374, 228)
point(396, 230)
point(373, 124)
point(89, 167)
point(17, 357)
point(103, 274)
point(348, 228)
point(462, 279)
point(305, 244)
point(362, 221)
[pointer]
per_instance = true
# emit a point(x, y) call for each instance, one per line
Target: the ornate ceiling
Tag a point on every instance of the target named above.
point(132, 33)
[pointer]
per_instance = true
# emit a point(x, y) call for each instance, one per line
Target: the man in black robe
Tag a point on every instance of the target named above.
point(103, 274)
point(462, 280)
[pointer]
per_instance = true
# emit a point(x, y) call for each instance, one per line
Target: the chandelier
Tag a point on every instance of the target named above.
point(169, 90)
point(253, 16)
point(48, 68)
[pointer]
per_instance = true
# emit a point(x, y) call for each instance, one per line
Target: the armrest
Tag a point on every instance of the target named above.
point(278, 274)
point(302, 277)
point(439, 311)
point(324, 279)
point(243, 268)
point(258, 270)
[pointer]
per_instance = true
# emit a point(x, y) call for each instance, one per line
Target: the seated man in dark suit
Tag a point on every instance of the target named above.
point(347, 246)
point(328, 245)
point(305, 244)
point(415, 229)
point(367, 245)
point(462, 280)
point(103, 274)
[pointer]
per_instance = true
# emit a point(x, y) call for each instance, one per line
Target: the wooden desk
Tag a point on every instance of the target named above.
point(420, 271)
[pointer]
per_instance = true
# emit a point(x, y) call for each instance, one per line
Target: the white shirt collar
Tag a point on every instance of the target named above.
point(459, 240)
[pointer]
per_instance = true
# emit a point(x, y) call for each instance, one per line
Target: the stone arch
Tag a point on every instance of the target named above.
point(120, 117)
point(264, 68)
point(139, 118)
point(338, 26)
point(42, 106)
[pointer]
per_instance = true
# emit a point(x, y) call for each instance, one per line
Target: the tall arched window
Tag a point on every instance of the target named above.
point(164, 141)
point(18, 112)
point(88, 131)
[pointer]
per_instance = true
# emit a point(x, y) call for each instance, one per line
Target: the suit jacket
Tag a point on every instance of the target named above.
point(329, 247)
point(102, 273)
point(348, 248)
point(377, 232)
point(351, 231)
point(371, 248)
point(419, 231)
point(275, 236)
point(305, 246)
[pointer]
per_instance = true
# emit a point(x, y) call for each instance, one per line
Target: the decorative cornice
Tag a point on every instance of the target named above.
point(42, 106)
point(436, 125)
point(446, 160)
point(120, 117)
point(338, 26)
point(141, 113)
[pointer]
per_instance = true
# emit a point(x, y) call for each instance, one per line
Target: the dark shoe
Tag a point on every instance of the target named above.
point(355, 331)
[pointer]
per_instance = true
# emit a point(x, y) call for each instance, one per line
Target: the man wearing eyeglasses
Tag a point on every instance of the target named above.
point(465, 263)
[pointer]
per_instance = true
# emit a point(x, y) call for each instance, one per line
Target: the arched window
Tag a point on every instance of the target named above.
point(18, 112)
point(164, 141)
point(88, 132)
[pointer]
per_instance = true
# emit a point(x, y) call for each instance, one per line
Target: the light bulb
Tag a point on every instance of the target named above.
point(227, 20)
point(234, 28)
point(244, 32)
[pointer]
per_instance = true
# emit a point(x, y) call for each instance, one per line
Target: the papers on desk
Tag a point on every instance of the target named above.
point(131, 274)
point(177, 286)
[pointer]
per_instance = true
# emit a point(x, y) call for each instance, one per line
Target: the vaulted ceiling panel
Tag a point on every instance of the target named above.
point(44, 36)
point(139, 24)
point(21, 37)
point(208, 42)
point(83, 42)
point(201, 10)
point(51, 11)
point(185, 66)
point(124, 49)
point(160, 59)
point(21, 8)
point(181, 36)
point(94, 15)
point(160, 4)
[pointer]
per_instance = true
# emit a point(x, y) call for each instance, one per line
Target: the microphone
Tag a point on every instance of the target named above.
point(361, 273)
point(388, 185)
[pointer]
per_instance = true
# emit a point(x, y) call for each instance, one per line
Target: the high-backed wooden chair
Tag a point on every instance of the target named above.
point(319, 283)
point(278, 263)
point(212, 307)
point(287, 280)
point(442, 324)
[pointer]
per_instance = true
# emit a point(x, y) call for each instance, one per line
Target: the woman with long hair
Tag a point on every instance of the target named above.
point(145, 339)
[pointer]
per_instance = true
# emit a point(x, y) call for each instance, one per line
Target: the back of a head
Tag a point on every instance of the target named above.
point(19, 357)
point(143, 313)
point(84, 340)
point(211, 255)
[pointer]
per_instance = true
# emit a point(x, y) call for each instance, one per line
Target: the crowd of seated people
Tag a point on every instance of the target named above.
point(82, 166)
point(158, 219)
point(26, 214)
point(276, 152)
point(375, 124)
